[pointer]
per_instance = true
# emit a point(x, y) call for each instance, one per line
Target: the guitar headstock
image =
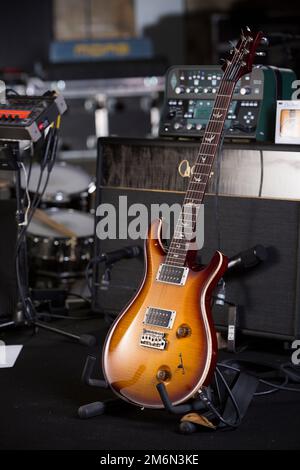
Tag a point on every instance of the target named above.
point(242, 56)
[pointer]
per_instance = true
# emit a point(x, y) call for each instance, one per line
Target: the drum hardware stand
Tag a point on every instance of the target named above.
point(26, 313)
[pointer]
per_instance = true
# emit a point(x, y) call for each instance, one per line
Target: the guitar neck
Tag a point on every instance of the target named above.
point(202, 170)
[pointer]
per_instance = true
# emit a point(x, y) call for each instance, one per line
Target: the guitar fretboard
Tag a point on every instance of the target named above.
point(186, 224)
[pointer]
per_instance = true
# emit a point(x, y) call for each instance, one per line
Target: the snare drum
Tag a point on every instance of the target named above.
point(69, 186)
point(51, 252)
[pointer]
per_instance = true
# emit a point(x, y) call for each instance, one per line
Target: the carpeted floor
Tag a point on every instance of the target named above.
point(41, 394)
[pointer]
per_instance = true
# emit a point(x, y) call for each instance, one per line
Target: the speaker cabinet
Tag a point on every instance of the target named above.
point(147, 171)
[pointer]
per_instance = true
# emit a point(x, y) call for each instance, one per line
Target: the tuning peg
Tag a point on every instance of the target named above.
point(234, 48)
point(264, 41)
point(225, 61)
point(248, 29)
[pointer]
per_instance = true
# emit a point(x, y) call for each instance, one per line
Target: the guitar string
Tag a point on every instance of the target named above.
point(191, 193)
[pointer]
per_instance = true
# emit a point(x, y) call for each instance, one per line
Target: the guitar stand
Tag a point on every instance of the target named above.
point(100, 407)
point(243, 389)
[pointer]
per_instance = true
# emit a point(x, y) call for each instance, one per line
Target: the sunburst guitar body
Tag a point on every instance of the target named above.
point(166, 334)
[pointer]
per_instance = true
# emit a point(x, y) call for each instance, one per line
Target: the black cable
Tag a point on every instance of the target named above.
point(34, 204)
point(96, 259)
point(266, 392)
point(38, 196)
point(280, 387)
point(74, 294)
point(275, 387)
point(28, 306)
point(87, 275)
point(273, 390)
point(261, 173)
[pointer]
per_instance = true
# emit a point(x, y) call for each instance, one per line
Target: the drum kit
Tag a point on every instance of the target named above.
point(60, 237)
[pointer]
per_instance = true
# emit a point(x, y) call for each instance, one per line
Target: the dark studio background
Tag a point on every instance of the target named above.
point(198, 35)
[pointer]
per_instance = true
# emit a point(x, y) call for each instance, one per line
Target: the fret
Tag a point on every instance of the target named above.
point(197, 183)
point(180, 249)
point(223, 109)
point(185, 217)
point(179, 254)
point(195, 190)
point(211, 132)
point(206, 154)
point(198, 171)
point(185, 229)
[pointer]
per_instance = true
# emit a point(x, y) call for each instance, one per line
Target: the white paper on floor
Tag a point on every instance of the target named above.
point(9, 354)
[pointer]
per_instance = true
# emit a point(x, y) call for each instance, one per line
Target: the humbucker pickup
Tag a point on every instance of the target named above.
point(159, 317)
point(153, 339)
point(172, 274)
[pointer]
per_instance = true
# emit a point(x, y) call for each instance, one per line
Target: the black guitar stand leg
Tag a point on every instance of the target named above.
point(98, 407)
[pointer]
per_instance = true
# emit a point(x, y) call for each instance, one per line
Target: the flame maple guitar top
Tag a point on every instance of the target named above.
point(133, 364)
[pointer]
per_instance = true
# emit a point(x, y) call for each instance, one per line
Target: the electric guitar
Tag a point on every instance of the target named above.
point(166, 334)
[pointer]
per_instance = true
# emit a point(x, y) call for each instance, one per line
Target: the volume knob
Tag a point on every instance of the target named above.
point(183, 331)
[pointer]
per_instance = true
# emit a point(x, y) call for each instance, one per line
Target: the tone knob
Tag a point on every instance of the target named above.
point(245, 90)
point(177, 126)
point(183, 331)
point(199, 127)
point(189, 126)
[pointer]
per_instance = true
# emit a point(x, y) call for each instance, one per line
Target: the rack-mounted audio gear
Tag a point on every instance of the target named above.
point(191, 91)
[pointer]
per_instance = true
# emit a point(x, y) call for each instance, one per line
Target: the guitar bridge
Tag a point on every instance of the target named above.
point(153, 339)
point(172, 274)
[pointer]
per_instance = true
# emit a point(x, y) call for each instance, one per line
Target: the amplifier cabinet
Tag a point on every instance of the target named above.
point(147, 171)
